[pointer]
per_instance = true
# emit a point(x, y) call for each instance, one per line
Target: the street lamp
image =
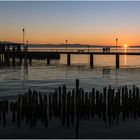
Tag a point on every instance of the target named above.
point(23, 30)
point(66, 45)
point(23, 34)
point(27, 46)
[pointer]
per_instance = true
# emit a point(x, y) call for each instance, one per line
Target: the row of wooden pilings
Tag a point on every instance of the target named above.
point(6, 60)
point(71, 107)
point(92, 60)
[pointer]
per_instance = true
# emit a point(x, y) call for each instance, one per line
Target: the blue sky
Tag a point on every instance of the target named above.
point(79, 22)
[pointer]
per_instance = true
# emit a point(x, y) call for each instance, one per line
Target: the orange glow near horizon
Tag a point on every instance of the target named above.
point(89, 23)
point(44, 37)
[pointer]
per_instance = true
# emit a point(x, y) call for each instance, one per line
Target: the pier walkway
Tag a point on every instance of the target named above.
point(101, 51)
point(15, 50)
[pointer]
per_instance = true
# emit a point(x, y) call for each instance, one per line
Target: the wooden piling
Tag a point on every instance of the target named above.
point(50, 107)
point(117, 61)
point(4, 113)
point(68, 59)
point(64, 105)
point(91, 60)
point(48, 61)
point(45, 112)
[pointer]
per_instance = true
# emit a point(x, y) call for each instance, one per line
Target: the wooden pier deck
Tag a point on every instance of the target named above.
point(16, 51)
point(91, 52)
point(112, 51)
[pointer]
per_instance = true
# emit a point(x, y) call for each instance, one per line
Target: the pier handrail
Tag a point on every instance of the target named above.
point(81, 50)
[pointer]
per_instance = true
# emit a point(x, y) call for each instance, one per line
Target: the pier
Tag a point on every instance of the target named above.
point(17, 51)
point(92, 52)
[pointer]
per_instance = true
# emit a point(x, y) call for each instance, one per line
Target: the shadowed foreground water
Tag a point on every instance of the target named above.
point(73, 109)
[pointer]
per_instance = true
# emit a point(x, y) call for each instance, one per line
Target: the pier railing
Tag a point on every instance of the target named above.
point(48, 53)
point(100, 50)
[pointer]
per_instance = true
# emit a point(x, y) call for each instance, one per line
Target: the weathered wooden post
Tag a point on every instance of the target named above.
point(68, 59)
point(0, 110)
point(64, 105)
point(73, 106)
point(93, 102)
point(50, 106)
point(18, 111)
point(48, 61)
point(59, 102)
point(45, 111)
point(30, 60)
point(68, 109)
point(91, 60)
point(4, 113)
point(117, 61)
point(13, 112)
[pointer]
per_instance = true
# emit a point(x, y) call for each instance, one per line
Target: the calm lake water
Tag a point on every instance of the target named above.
point(45, 78)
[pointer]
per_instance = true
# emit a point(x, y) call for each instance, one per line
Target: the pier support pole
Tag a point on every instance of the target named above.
point(6, 57)
point(30, 60)
point(48, 61)
point(0, 59)
point(13, 60)
point(117, 61)
point(91, 60)
point(20, 59)
point(68, 59)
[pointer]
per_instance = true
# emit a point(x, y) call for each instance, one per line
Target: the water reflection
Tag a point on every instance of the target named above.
point(106, 72)
point(125, 60)
point(39, 75)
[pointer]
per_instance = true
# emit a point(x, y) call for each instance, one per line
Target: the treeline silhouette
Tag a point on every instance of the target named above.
point(72, 106)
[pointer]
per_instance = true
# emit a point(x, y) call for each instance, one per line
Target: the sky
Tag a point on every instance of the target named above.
point(82, 22)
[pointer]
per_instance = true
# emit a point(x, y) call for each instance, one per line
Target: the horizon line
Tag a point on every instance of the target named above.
point(80, 44)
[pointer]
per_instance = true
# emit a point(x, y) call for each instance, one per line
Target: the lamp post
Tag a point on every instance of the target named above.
point(116, 52)
point(23, 34)
point(27, 46)
point(116, 43)
point(23, 31)
point(25, 49)
point(66, 45)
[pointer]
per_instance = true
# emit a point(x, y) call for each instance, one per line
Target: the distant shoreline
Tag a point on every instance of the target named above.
point(75, 46)
point(70, 45)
